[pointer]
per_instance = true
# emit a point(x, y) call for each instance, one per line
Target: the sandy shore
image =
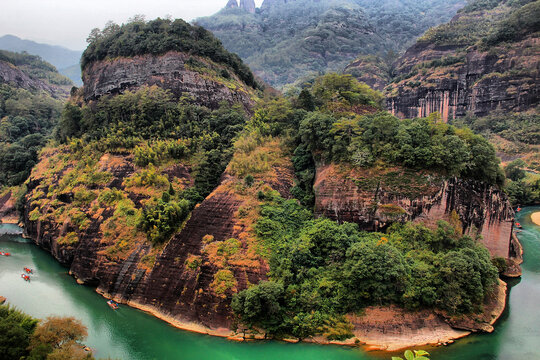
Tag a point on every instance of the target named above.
point(535, 217)
point(383, 329)
point(9, 220)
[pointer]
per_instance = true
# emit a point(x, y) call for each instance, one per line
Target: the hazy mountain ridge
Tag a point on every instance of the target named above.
point(62, 58)
point(284, 41)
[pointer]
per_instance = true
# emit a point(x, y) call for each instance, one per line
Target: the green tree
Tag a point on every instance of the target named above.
point(261, 305)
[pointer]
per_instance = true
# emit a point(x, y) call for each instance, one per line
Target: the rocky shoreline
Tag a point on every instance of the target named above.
point(380, 328)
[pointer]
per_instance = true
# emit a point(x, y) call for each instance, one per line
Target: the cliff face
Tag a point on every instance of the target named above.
point(486, 58)
point(178, 72)
point(376, 198)
point(191, 278)
point(12, 75)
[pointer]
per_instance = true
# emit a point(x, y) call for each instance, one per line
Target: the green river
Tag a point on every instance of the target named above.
point(131, 334)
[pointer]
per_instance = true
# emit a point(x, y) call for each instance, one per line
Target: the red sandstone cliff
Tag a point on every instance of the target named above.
point(374, 198)
point(183, 74)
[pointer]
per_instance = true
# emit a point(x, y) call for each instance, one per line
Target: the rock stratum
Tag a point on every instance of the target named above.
point(188, 281)
point(375, 198)
point(479, 83)
point(178, 72)
point(486, 58)
point(13, 76)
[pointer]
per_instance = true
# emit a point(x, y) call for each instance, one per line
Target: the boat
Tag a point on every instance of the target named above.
point(518, 225)
point(112, 304)
point(28, 270)
point(25, 277)
point(518, 209)
point(3, 253)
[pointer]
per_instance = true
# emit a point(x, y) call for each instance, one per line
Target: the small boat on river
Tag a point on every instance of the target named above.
point(28, 270)
point(112, 305)
point(25, 277)
point(3, 253)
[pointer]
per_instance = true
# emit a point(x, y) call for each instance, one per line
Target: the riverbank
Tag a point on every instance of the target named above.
point(535, 217)
point(388, 328)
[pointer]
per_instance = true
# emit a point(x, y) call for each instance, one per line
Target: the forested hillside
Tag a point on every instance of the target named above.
point(285, 41)
point(65, 60)
point(481, 70)
point(30, 105)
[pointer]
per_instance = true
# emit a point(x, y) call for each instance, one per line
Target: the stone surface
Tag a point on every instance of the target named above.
point(168, 71)
point(169, 287)
point(374, 199)
point(248, 5)
point(12, 75)
point(503, 78)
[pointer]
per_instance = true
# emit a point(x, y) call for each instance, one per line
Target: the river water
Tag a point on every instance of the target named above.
point(131, 334)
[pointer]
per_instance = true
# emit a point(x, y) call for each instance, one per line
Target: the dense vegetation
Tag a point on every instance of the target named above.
point(26, 121)
point(158, 131)
point(321, 270)
point(500, 20)
point(286, 42)
point(23, 337)
point(139, 37)
point(348, 127)
point(518, 135)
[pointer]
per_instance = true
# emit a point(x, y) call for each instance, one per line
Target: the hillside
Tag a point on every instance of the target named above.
point(61, 58)
point(178, 187)
point(30, 104)
point(284, 41)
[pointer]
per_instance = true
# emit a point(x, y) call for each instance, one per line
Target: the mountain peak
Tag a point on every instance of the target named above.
point(248, 5)
point(232, 4)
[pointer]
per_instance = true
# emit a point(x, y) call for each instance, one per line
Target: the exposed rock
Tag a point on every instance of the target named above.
point(370, 70)
point(392, 328)
point(183, 284)
point(504, 78)
point(248, 5)
point(168, 71)
point(375, 198)
point(12, 75)
point(2, 300)
point(493, 309)
point(8, 213)
point(513, 268)
point(232, 4)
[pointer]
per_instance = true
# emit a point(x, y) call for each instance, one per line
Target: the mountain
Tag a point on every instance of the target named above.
point(284, 41)
point(178, 186)
point(62, 58)
point(31, 97)
point(481, 70)
point(486, 58)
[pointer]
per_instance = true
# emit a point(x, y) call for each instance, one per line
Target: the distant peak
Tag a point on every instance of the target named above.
point(248, 5)
point(232, 4)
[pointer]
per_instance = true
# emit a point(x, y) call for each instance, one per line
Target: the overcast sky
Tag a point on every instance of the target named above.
point(68, 22)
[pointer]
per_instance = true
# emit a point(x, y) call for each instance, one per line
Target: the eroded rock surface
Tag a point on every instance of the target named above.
point(374, 199)
point(169, 71)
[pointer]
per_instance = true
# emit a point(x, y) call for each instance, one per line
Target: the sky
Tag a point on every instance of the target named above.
point(68, 22)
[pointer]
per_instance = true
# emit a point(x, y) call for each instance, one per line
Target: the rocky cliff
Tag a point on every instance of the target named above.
point(465, 67)
point(13, 76)
point(478, 82)
point(189, 280)
point(286, 41)
point(183, 74)
point(375, 198)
